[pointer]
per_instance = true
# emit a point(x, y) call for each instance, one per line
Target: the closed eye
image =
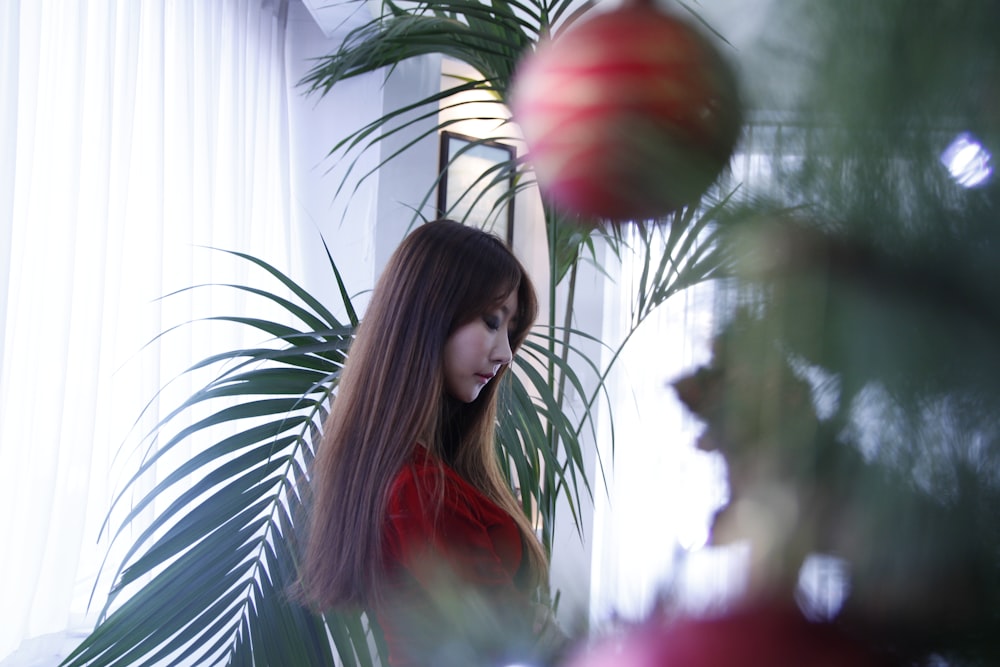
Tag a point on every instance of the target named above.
point(492, 322)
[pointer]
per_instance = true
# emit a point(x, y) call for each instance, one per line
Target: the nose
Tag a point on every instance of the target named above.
point(502, 353)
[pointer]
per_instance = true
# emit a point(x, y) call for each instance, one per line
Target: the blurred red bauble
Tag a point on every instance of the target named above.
point(628, 115)
point(758, 635)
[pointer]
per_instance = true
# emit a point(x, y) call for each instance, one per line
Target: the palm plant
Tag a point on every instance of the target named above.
point(213, 571)
point(207, 582)
point(492, 37)
point(216, 564)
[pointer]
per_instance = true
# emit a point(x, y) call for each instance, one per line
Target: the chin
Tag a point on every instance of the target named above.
point(465, 397)
point(465, 392)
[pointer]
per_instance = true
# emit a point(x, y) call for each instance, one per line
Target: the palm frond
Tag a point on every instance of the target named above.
point(490, 37)
point(208, 579)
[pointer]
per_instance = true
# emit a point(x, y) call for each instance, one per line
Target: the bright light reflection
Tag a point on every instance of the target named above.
point(967, 161)
point(823, 586)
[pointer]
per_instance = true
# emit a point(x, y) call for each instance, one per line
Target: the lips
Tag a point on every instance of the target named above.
point(485, 377)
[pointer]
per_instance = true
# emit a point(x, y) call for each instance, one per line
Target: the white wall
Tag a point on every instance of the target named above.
point(573, 547)
point(317, 123)
point(365, 221)
point(405, 181)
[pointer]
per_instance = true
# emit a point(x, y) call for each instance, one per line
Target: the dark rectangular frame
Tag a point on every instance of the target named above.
point(459, 175)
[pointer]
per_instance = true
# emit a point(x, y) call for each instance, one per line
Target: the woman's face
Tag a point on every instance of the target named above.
point(475, 351)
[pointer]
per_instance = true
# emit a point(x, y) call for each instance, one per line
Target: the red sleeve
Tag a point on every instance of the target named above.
point(466, 537)
point(453, 571)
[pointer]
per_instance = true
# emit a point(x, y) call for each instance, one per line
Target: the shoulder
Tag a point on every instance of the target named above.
point(426, 478)
point(418, 480)
point(426, 486)
point(418, 469)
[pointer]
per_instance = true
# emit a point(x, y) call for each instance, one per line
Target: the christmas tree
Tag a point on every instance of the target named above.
point(855, 391)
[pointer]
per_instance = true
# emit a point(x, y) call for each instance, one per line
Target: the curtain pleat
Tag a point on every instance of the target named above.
point(651, 524)
point(134, 135)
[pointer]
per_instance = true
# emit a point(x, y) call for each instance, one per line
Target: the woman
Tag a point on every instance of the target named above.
point(412, 517)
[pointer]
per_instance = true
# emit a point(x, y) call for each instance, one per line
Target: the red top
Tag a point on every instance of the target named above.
point(445, 562)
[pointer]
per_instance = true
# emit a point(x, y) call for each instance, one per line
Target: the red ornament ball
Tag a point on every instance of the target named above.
point(760, 635)
point(630, 114)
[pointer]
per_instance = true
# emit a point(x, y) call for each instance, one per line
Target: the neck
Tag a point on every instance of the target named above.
point(451, 427)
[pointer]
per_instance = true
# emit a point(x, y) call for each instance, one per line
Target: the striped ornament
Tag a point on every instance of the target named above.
point(630, 114)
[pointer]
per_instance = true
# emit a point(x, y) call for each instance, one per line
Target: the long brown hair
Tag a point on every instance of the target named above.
point(391, 396)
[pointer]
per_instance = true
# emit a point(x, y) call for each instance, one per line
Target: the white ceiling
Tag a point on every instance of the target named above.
point(339, 16)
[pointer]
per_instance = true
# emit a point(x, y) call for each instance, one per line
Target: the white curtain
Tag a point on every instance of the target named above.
point(133, 133)
point(651, 526)
point(650, 529)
